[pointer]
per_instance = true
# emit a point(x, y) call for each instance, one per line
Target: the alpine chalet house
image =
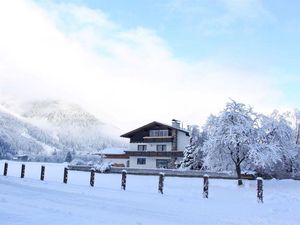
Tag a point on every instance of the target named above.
point(156, 145)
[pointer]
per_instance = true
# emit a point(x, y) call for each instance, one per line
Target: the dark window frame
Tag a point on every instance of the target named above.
point(141, 161)
point(159, 133)
point(161, 162)
point(142, 147)
point(161, 148)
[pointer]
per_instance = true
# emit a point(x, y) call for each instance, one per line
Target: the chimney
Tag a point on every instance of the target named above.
point(176, 123)
point(188, 128)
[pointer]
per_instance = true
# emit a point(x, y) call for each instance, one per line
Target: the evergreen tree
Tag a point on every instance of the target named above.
point(68, 157)
point(188, 157)
point(193, 156)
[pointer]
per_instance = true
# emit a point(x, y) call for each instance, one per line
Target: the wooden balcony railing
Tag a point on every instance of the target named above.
point(155, 153)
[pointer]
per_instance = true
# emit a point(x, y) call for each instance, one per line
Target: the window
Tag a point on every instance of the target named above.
point(141, 161)
point(158, 133)
point(162, 163)
point(161, 147)
point(142, 147)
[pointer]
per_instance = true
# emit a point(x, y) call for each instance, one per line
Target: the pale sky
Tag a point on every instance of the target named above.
point(135, 61)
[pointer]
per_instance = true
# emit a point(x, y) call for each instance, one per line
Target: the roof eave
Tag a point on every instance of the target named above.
point(129, 134)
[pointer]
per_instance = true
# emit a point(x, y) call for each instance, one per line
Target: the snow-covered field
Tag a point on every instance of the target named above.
point(29, 201)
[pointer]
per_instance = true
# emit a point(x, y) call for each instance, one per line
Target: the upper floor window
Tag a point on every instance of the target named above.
point(158, 133)
point(142, 147)
point(161, 147)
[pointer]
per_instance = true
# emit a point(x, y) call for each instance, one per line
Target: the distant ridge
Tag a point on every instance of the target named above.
point(49, 128)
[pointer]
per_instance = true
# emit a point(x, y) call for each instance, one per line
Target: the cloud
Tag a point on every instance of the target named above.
point(246, 9)
point(213, 18)
point(127, 76)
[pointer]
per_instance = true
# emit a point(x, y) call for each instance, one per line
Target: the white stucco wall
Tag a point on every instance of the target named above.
point(150, 162)
point(182, 140)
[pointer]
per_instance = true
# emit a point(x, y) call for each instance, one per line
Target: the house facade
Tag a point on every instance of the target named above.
point(156, 145)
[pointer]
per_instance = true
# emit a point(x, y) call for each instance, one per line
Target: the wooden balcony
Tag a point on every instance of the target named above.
point(148, 139)
point(155, 153)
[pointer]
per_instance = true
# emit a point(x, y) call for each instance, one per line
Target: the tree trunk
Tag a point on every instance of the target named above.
point(239, 174)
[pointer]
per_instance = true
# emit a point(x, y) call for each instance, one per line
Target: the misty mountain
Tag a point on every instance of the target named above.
point(20, 137)
point(45, 128)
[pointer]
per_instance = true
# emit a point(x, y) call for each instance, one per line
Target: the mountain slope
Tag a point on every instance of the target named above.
point(48, 127)
point(20, 137)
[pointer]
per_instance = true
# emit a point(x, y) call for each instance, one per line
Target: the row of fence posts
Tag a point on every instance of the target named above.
point(124, 177)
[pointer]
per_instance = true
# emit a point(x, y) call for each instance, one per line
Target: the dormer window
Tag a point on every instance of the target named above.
point(159, 133)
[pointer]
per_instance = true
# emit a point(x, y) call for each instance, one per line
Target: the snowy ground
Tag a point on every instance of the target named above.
point(29, 201)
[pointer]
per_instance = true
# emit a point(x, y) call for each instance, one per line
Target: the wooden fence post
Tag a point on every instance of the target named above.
point(161, 183)
point(205, 186)
point(92, 178)
point(5, 169)
point(23, 171)
point(260, 197)
point(123, 182)
point(42, 173)
point(65, 175)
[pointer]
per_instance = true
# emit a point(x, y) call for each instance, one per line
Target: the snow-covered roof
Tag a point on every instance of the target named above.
point(112, 150)
point(22, 155)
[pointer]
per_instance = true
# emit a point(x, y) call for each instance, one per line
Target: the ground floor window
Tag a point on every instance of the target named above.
point(162, 163)
point(141, 161)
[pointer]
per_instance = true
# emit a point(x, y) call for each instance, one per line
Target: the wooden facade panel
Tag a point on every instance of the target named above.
point(155, 154)
point(139, 136)
point(158, 139)
point(115, 156)
point(174, 142)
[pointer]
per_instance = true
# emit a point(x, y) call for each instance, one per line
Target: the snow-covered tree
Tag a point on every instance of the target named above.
point(231, 136)
point(293, 118)
point(276, 134)
point(233, 140)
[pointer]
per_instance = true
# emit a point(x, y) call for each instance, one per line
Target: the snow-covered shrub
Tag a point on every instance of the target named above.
point(77, 162)
point(94, 161)
point(88, 160)
point(103, 167)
